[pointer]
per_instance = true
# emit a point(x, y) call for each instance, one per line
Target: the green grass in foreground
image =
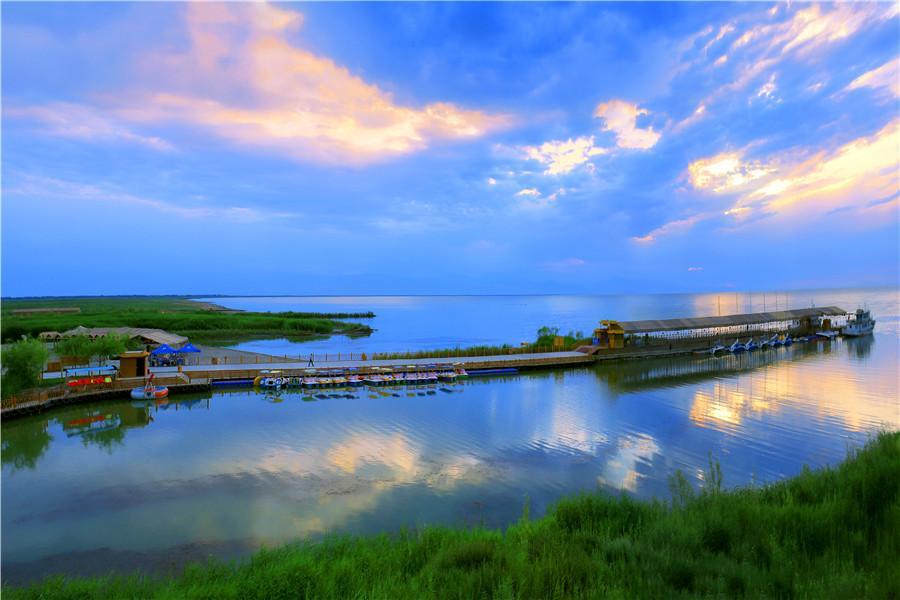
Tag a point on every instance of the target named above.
point(175, 314)
point(832, 533)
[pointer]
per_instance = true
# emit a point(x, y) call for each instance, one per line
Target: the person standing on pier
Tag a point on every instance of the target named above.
point(311, 363)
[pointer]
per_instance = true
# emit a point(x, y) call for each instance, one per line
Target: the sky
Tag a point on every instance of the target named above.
point(167, 148)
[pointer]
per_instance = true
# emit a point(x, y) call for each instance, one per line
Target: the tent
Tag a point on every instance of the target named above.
point(163, 349)
point(189, 347)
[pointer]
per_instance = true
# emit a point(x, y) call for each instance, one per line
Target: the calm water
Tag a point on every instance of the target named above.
point(427, 322)
point(123, 486)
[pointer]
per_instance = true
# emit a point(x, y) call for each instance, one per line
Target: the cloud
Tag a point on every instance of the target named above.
point(243, 80)
point(533, 192)
point(620, 117)
point(49, 187)
point(885, 78)
point(65, 119)
point(854, 174)
point(762, 41)
point(676, 226)
point(767, 91)
point(564, 264)
point(491, 181)
point(725, 172)
point(562, 157)
point(694, 269)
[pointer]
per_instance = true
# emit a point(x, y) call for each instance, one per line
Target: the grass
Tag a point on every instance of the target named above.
point(831, 533)
point(200, 322)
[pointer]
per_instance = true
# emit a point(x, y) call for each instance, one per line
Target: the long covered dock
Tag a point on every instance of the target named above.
point(621, 335)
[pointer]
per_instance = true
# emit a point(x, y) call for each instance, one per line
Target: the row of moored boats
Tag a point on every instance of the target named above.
point(274, 379)
point(773, 342)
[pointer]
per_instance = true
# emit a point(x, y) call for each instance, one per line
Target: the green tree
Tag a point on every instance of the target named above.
point(111, 344)
point(23, 363)
point(79, 347)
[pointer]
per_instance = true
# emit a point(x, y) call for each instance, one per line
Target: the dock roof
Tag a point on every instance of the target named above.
point(157, 336)
point(728, 320)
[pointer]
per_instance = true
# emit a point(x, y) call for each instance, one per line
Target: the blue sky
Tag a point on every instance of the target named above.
point(448, 148)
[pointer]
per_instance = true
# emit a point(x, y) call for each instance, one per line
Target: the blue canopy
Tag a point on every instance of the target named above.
point(189, 347)
point(164, 349)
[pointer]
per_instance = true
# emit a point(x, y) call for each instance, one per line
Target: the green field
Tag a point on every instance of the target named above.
point(200, 322)
point(833, 533)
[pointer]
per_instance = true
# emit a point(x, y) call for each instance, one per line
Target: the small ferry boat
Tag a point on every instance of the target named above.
point(826, 335)
point(860, 324)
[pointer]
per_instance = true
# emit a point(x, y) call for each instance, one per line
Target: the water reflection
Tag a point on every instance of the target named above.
point(238, 468)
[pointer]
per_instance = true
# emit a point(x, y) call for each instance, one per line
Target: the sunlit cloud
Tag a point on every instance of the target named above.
point(68, 120)
point(491, 181)
point(885, 78)
point(562, 157)
point(533, 192)
point(243, 80)
point(672, 227)
point(620, 117)
point(725, 172)
point(858, 172)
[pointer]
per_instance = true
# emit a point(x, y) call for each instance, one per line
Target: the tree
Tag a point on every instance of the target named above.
point(111, 344)
point(23, 364)
point(79, 347)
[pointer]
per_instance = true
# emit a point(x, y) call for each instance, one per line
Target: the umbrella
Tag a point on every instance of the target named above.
point(189, 347)
point(164, 349)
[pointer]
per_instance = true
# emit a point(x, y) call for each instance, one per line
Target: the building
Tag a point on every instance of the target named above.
point(688, 330)
point(148, 337)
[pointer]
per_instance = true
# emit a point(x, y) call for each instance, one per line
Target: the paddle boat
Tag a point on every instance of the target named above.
point(788, 340)
point(716, 348)
point(751, 345)
point(736, 346)
point(149, 392)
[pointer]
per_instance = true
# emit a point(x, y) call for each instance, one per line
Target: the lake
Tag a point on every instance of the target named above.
point(410, 323)
point(150, 486)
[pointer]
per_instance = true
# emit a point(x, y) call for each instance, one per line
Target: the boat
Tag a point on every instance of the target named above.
point(751, 345)
point(860, 324)
point(776, 341)
point(826, 334)
point(788, 340)
point(736, 346)
point(149, 392)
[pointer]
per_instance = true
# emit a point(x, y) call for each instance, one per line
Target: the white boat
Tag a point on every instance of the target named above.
point(828, 335)
point(751, 345)
point(717, 347)
point(860, 324)
point(737, 346)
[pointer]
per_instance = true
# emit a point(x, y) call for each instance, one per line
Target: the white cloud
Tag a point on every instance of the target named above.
point(533, 192)
point(562, 157)
point(65, 119)
point(49, 187)
point(491, 181)
point(767, 91)
point(885, 78)
point(726, 172)
point(620, 117)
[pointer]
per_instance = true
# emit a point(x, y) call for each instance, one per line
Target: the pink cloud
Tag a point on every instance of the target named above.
point(244, 80)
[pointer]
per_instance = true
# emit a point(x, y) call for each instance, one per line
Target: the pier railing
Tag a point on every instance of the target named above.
point(249, 358)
